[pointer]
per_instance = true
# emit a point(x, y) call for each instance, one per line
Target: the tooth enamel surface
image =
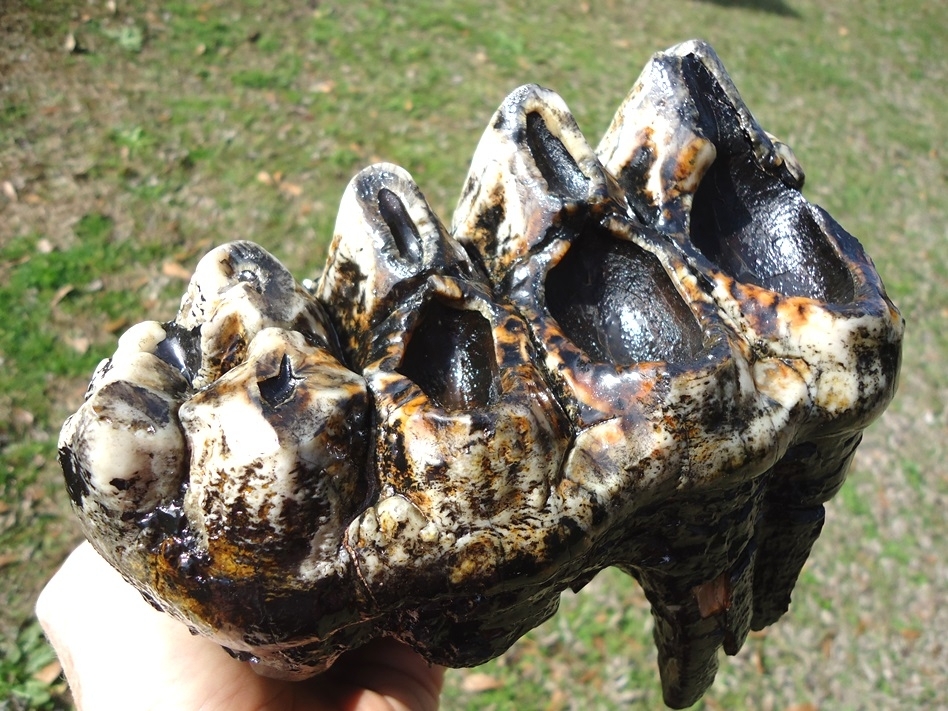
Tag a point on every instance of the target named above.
point(655, 355)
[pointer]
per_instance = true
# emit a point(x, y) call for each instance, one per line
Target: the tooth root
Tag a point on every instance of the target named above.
point(787, 534)
point(738, 616)
point(697, 570)
point(692, 624)
point(792, 519)
point(687, 642)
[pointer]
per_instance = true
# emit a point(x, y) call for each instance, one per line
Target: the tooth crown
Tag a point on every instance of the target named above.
point(656, 355)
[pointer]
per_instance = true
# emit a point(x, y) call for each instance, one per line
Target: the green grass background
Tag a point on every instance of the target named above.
point(174, 126)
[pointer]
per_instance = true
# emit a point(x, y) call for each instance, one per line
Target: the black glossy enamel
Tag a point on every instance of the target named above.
point(181, 349)
point(561, 173)
point(615, 301)
point(762, 232)
point(399, 222)
point(450, 355)
point(278, 389)
point(756, 225)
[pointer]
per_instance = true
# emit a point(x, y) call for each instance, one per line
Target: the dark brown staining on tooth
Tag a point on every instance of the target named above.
point(450, 356)
point(558, 168)
point(352, 280)
point(150, 409)
point(615, 301)
point(402, 227)
point(230, 346)
point(122, 484)
point(488, 221)
point(634, 180)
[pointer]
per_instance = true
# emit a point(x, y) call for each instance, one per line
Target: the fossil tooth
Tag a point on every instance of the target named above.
point(656, 356)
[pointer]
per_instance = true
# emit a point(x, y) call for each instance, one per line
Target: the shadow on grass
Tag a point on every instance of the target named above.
point(776, 7)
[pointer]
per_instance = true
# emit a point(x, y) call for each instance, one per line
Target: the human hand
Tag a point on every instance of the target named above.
point(120, 653)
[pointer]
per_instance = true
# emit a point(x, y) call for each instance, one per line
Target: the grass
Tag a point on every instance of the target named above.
point(25, 680)
point(184, 125)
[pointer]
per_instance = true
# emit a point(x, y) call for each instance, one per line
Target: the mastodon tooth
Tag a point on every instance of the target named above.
point(656, 355)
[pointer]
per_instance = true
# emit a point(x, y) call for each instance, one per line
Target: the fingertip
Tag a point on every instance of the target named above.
point(396, 676)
